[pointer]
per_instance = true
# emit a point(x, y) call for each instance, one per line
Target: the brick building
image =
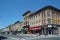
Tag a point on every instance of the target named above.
point(17, 26)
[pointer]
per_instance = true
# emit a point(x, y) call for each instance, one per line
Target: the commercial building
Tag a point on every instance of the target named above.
point(13, 29)
point(26, 21)
point(4, 30)
point(16, 27)
point(44, 21)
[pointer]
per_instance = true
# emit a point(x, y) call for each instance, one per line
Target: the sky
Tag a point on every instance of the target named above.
point(12, 10)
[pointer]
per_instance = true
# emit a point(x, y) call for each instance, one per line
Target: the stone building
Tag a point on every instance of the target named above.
point(26, 21)
point(46, 20)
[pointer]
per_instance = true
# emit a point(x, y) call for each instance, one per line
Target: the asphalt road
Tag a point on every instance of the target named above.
point(2, 37)
point(29, 37)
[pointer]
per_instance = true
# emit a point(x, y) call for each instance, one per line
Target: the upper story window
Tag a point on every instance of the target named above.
point(34, 22)
point(44, 15)
point(48, 13)
point(49, 20)
point(53, 14)
point(39, 20)
point(31, 18)
point(42, 21)
point(36, 16)
point(39, 14)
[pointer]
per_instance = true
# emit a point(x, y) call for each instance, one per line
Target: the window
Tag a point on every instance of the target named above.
point(30, 18)
point(53, 21)
point(48, 13)
point(49, 21)
point(44, 15)
point(36, 15)
point(42, 21)
point(34, 22)
point(53, 14)
point(39, 14)
point(39, 20)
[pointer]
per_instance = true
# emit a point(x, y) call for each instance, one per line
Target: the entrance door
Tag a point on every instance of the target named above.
point(31, 31)
point(49, 31)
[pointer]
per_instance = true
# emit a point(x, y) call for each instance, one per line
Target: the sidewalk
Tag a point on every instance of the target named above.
point(26, 35)
point(33, 35)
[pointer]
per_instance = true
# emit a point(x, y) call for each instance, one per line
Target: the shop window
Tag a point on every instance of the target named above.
point(36, 31)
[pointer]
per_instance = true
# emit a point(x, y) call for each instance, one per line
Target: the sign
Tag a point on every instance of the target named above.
point(54, 26)
point(35, 28)
point(49, 25)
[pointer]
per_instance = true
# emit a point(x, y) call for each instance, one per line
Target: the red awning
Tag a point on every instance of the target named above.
point(35, 28)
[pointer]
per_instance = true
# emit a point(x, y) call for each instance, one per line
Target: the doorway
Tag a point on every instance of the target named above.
point(49, 32)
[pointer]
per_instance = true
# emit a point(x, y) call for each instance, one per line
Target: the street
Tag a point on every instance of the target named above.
point(2, 37)
point(29, 37)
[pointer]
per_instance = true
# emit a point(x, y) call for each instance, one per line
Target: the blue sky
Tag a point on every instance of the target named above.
point(12, 10)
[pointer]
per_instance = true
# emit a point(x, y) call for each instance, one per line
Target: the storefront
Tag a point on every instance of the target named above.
point(26, 29)
point(58, 26)
point(49, 29)
point(34, 30)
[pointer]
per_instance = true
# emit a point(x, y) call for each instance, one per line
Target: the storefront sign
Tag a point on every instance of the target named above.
point(35, 28)
point(54, 26)
point(49, 25)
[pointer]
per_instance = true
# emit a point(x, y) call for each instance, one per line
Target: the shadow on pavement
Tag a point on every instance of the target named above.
point(2, 37)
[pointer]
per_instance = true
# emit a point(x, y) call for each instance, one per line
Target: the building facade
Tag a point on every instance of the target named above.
point(26, 21)
point(5, 30)
point(45, 20)
point(16, 27)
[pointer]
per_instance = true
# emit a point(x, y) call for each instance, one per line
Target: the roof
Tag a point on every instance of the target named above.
point(26, 12)
point(44, 8)
point(17, 22)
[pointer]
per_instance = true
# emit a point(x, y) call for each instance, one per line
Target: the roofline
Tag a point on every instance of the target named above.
point(44, 8)
point(26, 12)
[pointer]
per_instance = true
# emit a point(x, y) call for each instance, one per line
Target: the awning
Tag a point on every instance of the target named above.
point(35, 28)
